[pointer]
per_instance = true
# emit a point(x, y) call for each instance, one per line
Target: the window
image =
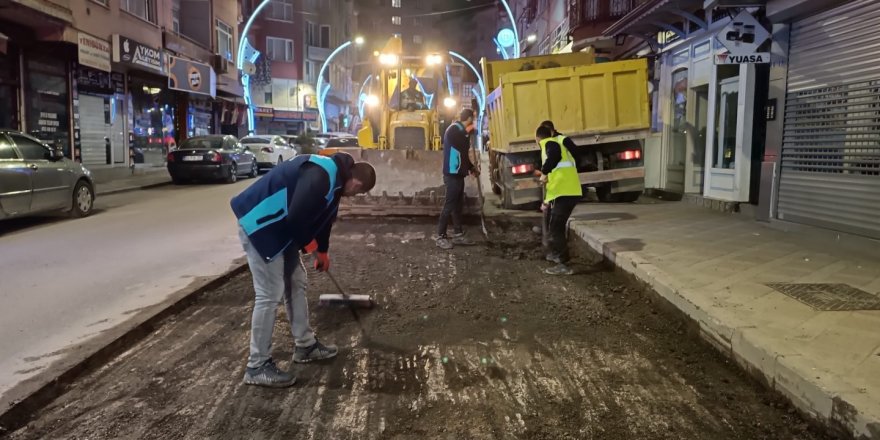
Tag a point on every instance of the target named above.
point(619, 8)
point(325, 36)
point(102, 2)
point(224, 40)
point(145, 9)
point(417, 39)
point(312, 34)
point(395, 3)
point(395, 20)
point(6, 150)
point(417, 21)
point(310, 77)
point(267, 97)
point(279, 49)
point(29, 148)
point(175, 16)
point(281, 10)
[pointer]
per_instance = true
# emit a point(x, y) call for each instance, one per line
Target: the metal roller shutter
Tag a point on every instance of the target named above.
point(93, 130)
point(830, 170)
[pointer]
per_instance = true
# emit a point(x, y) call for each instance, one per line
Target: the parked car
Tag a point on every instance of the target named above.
point(348, 144)
point(213, 157)
point(35, 177)
point(269, 149)
point(291, 139)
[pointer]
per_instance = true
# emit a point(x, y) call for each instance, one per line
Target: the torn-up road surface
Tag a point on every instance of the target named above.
point(476, 343)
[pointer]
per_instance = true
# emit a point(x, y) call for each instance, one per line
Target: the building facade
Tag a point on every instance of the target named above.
point(118, 84)
point(295, 39)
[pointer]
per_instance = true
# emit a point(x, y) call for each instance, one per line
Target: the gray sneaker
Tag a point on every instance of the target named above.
point(553, 258)
point(268, 375)
point(315, 352)
point(458, 234)
point(559, 269)
point(444, 243)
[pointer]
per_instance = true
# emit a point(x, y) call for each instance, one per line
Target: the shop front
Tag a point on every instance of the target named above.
point(288, 122)
point(705, 109)
point(47, 99)
point(98, 106)
point(195, 86)
point(263, 118)
point(826, 146)
point(151, 108)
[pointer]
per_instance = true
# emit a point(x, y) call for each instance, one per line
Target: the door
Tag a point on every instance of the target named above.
point(117, 131)
point(95, 130)
point(696, 140)
point(675, 160)
point(49, 179)
point(729, 161)
point(15, 181)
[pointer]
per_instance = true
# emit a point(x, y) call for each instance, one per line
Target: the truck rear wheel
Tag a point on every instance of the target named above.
point(506, 182)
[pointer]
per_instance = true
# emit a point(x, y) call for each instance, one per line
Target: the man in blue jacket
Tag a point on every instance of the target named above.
point(456, 166)
point(291, 208)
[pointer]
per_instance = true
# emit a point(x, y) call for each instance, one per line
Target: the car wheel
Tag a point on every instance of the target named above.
point(233, 173)
point(255, 170)
point(83, 199)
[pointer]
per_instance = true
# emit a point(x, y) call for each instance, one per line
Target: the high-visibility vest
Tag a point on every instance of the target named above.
point(562, 180)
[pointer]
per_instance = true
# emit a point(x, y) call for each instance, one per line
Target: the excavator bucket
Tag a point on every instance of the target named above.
point(408, 183)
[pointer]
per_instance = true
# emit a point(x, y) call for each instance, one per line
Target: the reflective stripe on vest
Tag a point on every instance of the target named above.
point(274, 208)
point(563, 180)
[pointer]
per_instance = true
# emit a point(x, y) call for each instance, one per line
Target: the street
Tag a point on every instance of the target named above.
point(64, 281)
point(475, 343)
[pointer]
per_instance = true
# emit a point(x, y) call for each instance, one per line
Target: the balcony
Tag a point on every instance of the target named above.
point(316, 53)
point(587, 12)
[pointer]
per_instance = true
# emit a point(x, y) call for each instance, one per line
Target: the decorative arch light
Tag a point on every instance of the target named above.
point(239, 64)
point(481, 98)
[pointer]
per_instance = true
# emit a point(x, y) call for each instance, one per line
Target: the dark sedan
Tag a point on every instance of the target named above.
point(215, 157)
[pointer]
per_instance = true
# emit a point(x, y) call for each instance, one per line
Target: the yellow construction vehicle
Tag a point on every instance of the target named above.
point(410, 102)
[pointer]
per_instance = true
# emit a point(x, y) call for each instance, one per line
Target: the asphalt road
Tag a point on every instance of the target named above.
point(63, 281)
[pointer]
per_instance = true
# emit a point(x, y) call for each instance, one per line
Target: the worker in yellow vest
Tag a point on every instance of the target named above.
point(562, 191)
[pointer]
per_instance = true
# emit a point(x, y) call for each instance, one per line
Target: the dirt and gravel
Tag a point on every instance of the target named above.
point(475, 343)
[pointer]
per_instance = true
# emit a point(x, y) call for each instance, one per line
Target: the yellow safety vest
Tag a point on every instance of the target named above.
point(562, 180)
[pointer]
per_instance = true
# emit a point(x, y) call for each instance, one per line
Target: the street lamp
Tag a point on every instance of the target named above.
point(482, 96)
point(239, 64)
point(322, 94)
point(516, 49)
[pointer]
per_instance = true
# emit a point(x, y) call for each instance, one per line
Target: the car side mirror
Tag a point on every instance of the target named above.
point(54, 154)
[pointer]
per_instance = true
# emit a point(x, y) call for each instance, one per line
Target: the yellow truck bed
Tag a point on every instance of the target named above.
point(590, 103)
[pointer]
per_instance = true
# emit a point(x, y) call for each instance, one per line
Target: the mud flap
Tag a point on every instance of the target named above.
point(408, 183)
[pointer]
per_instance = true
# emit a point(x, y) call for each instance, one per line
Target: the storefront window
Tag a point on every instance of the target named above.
point(8, 89)
point(725, 139)
point(200, 118)
point(679, 117)
point(153, 123)
point(47, 102)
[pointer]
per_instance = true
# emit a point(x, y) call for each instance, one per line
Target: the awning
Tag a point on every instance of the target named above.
point(656, 16)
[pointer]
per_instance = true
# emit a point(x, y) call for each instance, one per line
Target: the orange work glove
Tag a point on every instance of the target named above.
point(322, 261)
point(311, 247)
point(537, 173)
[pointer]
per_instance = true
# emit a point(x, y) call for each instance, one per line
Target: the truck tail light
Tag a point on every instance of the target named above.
point(523, 168)
point(267, 150)
point(629, 155)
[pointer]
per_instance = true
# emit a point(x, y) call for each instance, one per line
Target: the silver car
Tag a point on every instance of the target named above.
point(36, 178)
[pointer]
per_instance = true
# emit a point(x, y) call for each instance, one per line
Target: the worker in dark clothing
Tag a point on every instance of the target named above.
point(291, 209)
point(412, 98)
point(562, 192)
point(456, 166)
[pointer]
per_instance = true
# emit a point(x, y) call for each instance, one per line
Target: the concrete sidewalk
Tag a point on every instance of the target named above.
point(140, 180)
point(817, 344)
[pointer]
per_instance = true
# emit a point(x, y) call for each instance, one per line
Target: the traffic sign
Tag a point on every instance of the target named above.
point(743, 35)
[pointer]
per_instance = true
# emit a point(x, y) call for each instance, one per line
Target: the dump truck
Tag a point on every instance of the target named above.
point(602, 107)
point(409, 105)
